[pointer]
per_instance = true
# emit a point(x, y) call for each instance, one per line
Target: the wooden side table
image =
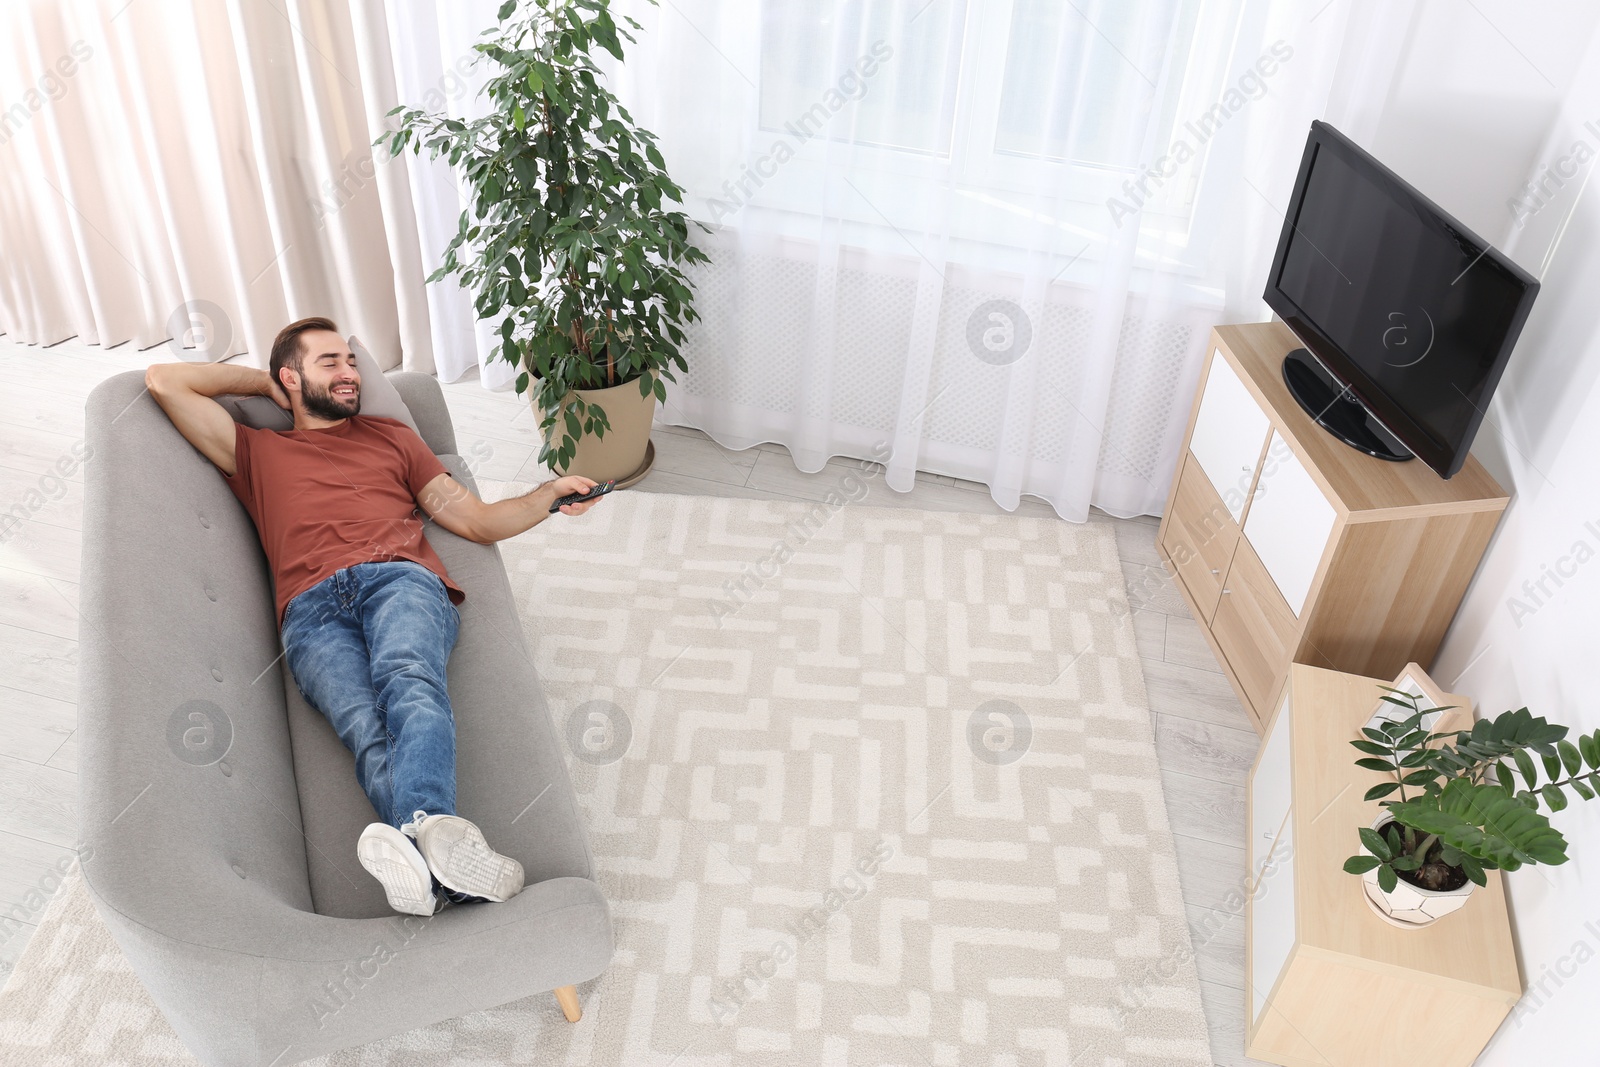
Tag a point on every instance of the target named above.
point(1329, 983)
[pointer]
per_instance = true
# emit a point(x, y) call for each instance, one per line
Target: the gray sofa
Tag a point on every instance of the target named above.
point(219, 812)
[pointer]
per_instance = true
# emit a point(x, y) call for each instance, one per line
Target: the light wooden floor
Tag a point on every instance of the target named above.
point(1203, 740)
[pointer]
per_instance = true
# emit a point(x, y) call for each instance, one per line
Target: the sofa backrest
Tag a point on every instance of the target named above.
point(187, 793)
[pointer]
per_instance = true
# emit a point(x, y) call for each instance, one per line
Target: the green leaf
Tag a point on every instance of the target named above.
point(543, 71)
point(1507, 781)
point(1581, 789)
point(1471, 868)
point(1570, 757)
point(1372, 748)
point(1382, 789)
point(1589, 748)
point(1387, 879)
point(1376, 844)
point(535, 83)
point(1406, 863)
point(1372, 764)
point(1554, 798)
point(506, 9)
point(1376, 735)
point(1504, 726)
point(1530, 774)
point(1552, 765)
point(1360, 864)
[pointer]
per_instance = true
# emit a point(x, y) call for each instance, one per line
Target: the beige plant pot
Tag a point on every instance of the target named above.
point(1409, 907)
point(624, 454)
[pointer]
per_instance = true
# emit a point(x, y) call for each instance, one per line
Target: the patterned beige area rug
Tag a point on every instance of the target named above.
point(865, 786)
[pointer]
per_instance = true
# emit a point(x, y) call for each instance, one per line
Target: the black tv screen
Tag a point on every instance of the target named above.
point(1398, 301)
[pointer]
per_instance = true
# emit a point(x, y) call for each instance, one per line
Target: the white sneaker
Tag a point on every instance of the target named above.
point(457, 854)
point(393, 860)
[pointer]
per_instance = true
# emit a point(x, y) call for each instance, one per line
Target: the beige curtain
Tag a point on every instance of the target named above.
point(202, 171)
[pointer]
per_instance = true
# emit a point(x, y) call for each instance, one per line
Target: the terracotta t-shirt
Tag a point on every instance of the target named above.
point(327, 499)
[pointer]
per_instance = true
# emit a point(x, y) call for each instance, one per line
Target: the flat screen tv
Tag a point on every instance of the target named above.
point(1407, 316)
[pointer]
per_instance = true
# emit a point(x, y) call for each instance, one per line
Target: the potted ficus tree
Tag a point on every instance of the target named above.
point(1462, 802)
point(568, 238)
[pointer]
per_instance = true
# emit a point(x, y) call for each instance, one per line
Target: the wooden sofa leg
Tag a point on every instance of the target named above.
point(567, 997)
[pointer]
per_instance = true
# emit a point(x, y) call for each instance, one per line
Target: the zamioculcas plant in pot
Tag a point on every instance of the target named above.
point(567, 239)
point(1460, 809)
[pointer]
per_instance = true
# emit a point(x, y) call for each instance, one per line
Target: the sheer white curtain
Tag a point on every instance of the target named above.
point(992, 234)
point(981, 237)
point(436, 68)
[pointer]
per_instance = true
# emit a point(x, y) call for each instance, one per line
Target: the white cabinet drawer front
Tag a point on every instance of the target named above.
point(1228, 434)
point(1289, 523)
point(1270, 791)
point(1272, 925)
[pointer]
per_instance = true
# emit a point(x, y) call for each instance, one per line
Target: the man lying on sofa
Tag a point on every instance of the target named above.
point(366, 610)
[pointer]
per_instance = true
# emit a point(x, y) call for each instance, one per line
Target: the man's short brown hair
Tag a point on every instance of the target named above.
point(287, 351)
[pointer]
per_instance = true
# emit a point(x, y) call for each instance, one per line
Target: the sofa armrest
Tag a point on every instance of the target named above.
point(425, 397)
point(299, 985)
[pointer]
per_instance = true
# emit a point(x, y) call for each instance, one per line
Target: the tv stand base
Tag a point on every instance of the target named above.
point(1336, 409)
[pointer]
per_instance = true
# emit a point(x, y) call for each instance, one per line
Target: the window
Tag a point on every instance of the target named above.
point(813, 64)
point(893, 111)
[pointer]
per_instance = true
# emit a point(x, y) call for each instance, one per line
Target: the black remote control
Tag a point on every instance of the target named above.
point(577, 498)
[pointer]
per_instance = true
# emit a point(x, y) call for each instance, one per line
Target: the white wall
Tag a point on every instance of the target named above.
point(1481, 105)
point(1516, 644)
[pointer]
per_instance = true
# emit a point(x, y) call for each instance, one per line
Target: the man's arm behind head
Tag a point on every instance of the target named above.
point(185, 392)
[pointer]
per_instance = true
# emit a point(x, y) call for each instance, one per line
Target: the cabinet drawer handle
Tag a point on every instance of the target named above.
point(1215, 571)
point(1225, 592)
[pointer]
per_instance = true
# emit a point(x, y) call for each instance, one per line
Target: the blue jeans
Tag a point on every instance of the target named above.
point(367, 647)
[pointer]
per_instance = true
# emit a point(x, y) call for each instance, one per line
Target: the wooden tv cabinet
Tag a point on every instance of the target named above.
point(1292, 547)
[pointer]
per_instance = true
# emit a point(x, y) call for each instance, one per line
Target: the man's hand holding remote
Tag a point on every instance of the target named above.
point(514, 515)
point(568, 485)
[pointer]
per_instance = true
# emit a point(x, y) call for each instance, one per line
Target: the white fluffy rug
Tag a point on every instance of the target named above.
point(865, 785)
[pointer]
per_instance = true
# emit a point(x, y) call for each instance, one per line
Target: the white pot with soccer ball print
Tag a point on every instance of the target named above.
point(1408, 906)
